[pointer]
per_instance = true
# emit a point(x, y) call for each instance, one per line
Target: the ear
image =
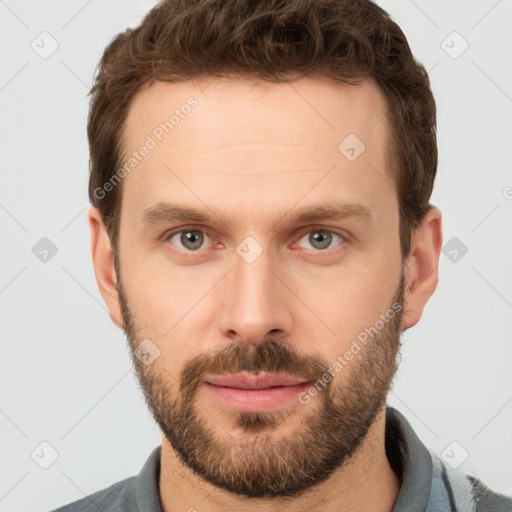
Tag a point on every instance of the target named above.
point(421, 268)
point(104, 270)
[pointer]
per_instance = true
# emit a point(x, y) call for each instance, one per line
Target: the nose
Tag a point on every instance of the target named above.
point(255, 301)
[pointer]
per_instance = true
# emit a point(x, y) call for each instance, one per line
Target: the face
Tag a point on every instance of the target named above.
point(259, 235)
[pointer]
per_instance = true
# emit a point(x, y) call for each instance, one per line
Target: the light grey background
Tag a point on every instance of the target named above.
point(65, 369)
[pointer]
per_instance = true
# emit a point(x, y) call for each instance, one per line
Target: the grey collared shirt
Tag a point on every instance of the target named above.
point(426, 484)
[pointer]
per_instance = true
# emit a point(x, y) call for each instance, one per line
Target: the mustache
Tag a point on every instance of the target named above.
point(270, 356)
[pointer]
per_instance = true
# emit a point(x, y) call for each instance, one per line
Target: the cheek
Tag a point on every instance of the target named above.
point(160, 290)
point(173, 309)
point(348, 303)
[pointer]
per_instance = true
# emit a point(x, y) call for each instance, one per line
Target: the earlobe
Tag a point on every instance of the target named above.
point(103, 262)
point(421, 268)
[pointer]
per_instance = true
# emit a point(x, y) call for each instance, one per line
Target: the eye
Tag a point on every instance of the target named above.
point(190, 239)
point(321, 239)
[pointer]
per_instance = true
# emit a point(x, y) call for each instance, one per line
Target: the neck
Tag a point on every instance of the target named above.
point(365, 483)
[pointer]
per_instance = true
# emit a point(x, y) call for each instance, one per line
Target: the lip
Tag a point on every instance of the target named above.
point(251, 393)
point(247, 381)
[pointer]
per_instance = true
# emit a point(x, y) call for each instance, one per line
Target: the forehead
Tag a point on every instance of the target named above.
point(238, 111)
point(246, 137)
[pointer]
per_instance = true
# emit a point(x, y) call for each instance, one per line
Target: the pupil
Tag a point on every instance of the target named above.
point(320, 240)
point(191, 239)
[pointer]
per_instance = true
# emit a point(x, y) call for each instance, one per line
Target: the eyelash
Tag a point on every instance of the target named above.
point(344, 237)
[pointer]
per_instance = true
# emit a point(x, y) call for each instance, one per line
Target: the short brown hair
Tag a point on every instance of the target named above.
point(348, 40)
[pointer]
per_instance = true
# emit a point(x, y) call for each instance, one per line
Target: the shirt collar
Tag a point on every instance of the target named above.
point(148, 494)
point(410, 460)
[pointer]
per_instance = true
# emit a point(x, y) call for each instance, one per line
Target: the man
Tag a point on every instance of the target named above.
point(261, 230)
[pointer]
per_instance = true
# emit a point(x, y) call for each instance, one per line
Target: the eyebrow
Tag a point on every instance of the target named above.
point(164, 212)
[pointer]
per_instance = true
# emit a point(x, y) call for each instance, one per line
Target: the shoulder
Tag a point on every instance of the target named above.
point(134, 494)
point(456, 490)
point(119, 497)
point(487, 500)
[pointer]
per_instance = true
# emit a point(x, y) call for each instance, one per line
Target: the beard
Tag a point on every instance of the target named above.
point(259, 463)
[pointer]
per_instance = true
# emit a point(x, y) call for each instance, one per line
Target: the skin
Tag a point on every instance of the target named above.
point(253, 154)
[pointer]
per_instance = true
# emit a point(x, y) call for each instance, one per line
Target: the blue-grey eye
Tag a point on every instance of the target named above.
point(189, 239)
point(321, 239)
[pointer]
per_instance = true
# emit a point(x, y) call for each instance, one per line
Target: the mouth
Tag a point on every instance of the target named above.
point(247, 381)
point(252, 393)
